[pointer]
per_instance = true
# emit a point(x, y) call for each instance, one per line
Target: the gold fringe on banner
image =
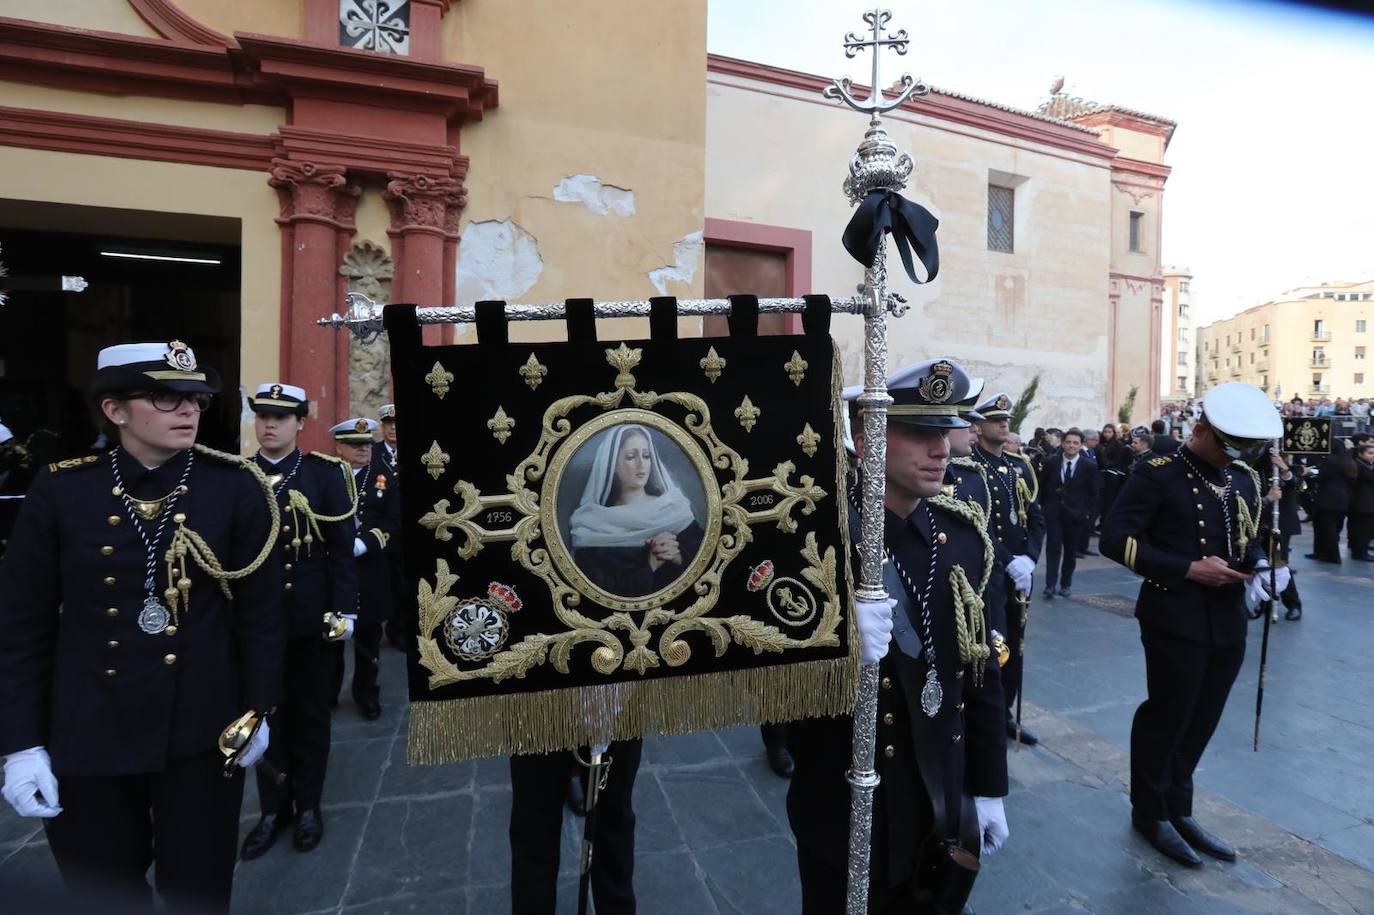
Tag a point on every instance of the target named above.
point(452, 730)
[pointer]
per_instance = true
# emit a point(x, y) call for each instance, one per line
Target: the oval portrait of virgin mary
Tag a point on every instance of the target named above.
point(633, 508)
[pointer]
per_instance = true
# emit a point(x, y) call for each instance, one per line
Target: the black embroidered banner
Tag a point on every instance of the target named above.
point(1307, 434)
point(616, 539)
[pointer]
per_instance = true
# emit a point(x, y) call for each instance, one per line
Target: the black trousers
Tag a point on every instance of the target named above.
point(1359, 532)
point(367, 646)
point(824, 885)
point(1063, 534)
point(300, 728)
point(1326, 534)
point(1187, 684)
point(1016, 636)
point(183, 821)
point(539, 788)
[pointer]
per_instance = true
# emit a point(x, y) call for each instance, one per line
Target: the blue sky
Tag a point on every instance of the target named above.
point(1272, 160)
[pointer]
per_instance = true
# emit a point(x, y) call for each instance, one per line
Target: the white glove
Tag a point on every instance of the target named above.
point(256, 747)
point(1282, 576)
point(1257, 588)
point(30, 786)
point(1019, 570)
point(992, 824)
point(359, 547)
point(875, 628)
point(352, 620)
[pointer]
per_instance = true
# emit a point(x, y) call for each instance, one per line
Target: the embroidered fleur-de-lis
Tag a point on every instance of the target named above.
point(439, 380)
point(808, 440)
point(712, 364)
point(623, 360)
point(500, 425)
point(434, 460)
point(533, 372)
point(747, 414)
point(796, 368)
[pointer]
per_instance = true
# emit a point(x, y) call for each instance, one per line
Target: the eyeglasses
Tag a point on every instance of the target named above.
point(170, 401)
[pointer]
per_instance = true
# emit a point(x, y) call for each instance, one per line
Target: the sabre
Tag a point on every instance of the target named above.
point(598, 771)
point(234, 740)
point(1024, 599)
point(1273, 588)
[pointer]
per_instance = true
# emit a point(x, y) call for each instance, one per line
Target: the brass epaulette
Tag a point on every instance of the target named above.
point(969, 463)
point(332, 458)
point(73, 463)
point(1033, 478)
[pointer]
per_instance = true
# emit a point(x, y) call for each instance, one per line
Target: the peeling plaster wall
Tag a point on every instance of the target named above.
point(497, 260)
point(606, 172)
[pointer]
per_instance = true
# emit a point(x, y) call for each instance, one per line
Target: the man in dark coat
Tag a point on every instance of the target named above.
point(1188, 523)
point(941, 758)
point(315, 550)
point(140, 618)
point(1162, 442)
point(378, 523)
point(1070, 488)
point(1361, 527)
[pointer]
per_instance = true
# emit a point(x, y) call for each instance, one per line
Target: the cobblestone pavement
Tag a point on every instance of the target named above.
point(713, 835)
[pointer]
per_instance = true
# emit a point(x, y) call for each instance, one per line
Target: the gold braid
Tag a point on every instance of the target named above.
point(1247, 522)
point(186, 542)
point(970, 622)
point(978, 468)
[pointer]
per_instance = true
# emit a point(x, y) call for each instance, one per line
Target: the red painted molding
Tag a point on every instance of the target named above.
point(80, 133)
point(1141, 167)
point(174, 24)
point(370, 154)
point(938, 105)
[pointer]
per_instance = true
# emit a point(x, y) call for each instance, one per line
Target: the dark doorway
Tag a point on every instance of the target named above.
point(49, 338)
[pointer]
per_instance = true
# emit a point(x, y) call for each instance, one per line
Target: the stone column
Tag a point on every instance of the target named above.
point(317, 207)
point(420, 222)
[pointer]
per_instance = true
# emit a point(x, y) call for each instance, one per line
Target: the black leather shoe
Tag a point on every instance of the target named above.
point(1028, 737)
point(577, 798)
point(1363, 558)
point(1065, 592)
point(370, 710)
point(1294, 614)
point(262, 837)
point(1049, 594)
point(1202, 840)
point(1087, 553)
point(1166, 840)
point(309, 829)
point(780, 761)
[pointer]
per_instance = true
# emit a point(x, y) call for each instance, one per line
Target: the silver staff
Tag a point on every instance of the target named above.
point(875, 166)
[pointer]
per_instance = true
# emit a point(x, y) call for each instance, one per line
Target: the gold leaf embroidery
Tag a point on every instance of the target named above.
point(500, 425)
point(533, 372)
point(712, 364)
point(808, 440)
point(439, 379)
point(747, 414)
point(434, 460)
point(796, 368)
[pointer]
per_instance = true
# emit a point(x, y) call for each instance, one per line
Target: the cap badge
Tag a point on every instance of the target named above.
point(180, 357)
point(275, 391)
point(361, 427)
point(1003, 402)
point(936, 387)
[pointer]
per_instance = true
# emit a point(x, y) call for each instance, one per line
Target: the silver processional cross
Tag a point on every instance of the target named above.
point(876, 103)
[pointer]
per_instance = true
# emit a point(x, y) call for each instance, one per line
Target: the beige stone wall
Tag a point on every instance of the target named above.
point(1042, 309)
point(99, 15)
point(1286, 359)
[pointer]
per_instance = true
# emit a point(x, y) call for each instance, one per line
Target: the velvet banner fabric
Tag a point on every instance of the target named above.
point(613, 539)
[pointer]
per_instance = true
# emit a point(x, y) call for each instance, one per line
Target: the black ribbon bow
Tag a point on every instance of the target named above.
point(911, 225)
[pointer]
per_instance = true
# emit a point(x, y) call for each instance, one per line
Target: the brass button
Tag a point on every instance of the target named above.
point(957, 738)
point(940, 537)
point(1202, 540)
point(887, 683)
point(109, 580)
point(179, 518)
point(1194, 490)
point(170, 630)
point(288, 586)
point(1190, 476)
point(889, 751)
point(110, 671)
point(1201, 523)
point(112, 643)
point(112, 612)
point(1199, 506)
point(117, 491)
point(288, 567)
point(888, 719)
point(113, 520)
point(959, 707)
point(169, 659)
point(286, 528)
point(959, 674)
point(107, 551)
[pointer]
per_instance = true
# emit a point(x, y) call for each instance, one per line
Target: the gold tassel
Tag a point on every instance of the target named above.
point(541, 722)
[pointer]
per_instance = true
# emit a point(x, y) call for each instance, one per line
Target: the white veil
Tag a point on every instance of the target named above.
point(596, 524)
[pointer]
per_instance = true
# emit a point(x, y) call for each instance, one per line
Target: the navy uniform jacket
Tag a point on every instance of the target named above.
point(77, 673)
point(967, 479)
point(1080, 497)
point(1164, 520)
point(1009, 501)
point(379, 524)
point(1362, 490)
point(930, 767)
point(319, 576)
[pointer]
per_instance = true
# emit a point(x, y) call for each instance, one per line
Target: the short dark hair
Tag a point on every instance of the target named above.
point(1074, 430)
point(1157, 427)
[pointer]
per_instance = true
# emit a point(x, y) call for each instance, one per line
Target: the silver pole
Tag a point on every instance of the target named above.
point(875, 166)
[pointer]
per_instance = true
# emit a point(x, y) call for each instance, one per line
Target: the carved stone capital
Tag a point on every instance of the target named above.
point(424, 202)
point(312, 192)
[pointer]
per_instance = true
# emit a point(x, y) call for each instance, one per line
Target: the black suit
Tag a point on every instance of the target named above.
point(131, 719)
point(378, 526)
point(321, 576)
point(1361, 511)
point(931, 767)
point(1193, 635)
point(1332, 503)
point(1068, 506)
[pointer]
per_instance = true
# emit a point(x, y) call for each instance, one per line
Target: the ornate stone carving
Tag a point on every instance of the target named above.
point(307, 190)
point(1136, 192)
point(369, 270)
point(424, 202)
